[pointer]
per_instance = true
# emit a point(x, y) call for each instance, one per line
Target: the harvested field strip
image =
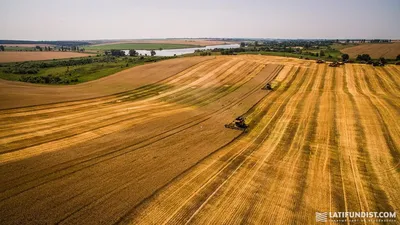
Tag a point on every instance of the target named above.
point(110, 108)
point(75, 132)
point(356, 154)
point(392, 77)
point(375, 50)
point(85, 120)
point(322, 151)
point(116, 85)
point(365, 167)
point(136, 92)
point(385, 136)
point(378, 88)
point(292, 127)
point(235, 102)
point(231, 158)
point(324, 139)
point(114, 98)
point(46, 135)
point(382, 112)
point(217, 92)
point(60, 142)
point(235, 157)
point(374, 89)
point(250, 183)
point(316, 134)
point(88, 162)
point(95, 110)
point(337, 191)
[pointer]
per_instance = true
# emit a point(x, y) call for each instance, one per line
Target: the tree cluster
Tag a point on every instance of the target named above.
point(345, 57)
point(114, 52)
point(205, 53)
point(364, 57)
point(48, 79)
point(133, 52)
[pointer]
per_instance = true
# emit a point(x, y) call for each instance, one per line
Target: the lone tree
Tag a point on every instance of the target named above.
point(153, 53)
point(397, 58)
point(2, 48)
point(345, 57)
point(321, 53)
point(242, 44)
point(133, 52)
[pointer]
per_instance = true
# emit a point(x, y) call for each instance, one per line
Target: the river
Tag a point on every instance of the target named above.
point(181, 51)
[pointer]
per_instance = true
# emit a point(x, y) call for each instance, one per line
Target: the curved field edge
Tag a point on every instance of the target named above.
point(159, 153)
point(386, 50)
point(19, 94)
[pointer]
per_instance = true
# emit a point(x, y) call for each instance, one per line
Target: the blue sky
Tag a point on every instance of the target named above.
point(124, 19)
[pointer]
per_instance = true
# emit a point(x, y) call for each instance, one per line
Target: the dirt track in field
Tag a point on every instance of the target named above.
point(33, 56)
point(387, 50)
point(326, 139)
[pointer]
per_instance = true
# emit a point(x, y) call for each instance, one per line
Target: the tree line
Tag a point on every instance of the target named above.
point(132, 52)
point(57, 43)
point(50, 48)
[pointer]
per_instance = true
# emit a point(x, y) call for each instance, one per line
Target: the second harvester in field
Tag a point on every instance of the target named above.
point(238, 124)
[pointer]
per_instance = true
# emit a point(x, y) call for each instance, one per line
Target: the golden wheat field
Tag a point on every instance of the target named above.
point(386, 50)
point(155, 150)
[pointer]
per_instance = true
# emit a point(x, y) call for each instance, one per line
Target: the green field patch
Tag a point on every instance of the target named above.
point(139, 46)
point(71, 71)
point(18, 48)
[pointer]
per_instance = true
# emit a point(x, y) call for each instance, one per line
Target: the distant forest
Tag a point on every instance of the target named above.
point(59, 43)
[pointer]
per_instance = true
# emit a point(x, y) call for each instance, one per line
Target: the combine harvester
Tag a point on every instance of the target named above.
point(238, 124)
point(334, 64)
point(267, 87)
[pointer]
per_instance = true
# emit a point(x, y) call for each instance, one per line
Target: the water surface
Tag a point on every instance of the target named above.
point(181, 51)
